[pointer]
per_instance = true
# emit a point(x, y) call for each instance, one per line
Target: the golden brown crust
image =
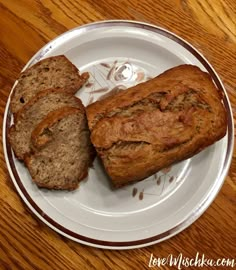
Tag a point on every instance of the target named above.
point(186, 74)
point(154, 124)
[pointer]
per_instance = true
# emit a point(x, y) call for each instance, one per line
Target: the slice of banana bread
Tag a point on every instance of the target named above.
point(63, 150)
point(52, 72)
point(33, 112)
point(167, 119)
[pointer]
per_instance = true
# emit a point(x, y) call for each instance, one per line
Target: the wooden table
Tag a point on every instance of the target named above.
point(25, 26)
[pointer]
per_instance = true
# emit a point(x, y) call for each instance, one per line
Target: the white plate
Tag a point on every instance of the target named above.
point(126, 53)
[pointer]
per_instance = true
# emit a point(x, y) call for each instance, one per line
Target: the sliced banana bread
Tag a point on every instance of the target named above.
point(33, 112)
point(52, 72)
point(154, 124)
point(64, 151)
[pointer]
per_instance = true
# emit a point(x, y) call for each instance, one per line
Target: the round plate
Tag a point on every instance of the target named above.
point(119, 54)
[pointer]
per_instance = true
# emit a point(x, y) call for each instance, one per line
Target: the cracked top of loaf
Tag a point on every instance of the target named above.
point(145, 128)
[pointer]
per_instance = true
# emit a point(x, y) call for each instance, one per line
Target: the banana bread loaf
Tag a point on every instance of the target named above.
point(149, 126)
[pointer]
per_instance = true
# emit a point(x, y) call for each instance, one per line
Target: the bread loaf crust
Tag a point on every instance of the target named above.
point(154, 124)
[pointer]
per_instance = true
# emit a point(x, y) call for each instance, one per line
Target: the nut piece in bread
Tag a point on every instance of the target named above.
point(154, 124)
point(63, 151)
point(28, 117)
point(52, 72)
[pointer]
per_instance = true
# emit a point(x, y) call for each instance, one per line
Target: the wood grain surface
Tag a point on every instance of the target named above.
point(25, 26)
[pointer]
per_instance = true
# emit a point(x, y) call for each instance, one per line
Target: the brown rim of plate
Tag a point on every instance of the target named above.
point(142, 242)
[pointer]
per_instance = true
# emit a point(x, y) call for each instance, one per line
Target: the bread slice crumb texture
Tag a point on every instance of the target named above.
point(64, 155)
point(52, 72)
point(34, 112)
